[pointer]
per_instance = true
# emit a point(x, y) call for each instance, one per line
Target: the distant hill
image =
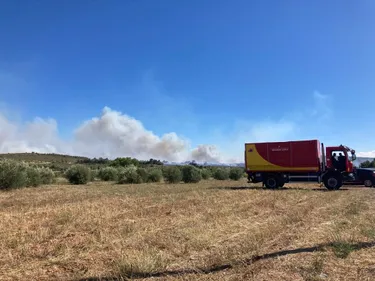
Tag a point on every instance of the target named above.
point(41, 157)
point(69, 159)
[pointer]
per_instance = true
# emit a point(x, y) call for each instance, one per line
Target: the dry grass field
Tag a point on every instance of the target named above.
point(214, 230)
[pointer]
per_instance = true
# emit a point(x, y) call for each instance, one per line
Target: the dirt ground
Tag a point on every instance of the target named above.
point(213, 230)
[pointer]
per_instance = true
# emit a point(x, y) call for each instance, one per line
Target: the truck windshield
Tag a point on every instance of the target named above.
point(351, 156)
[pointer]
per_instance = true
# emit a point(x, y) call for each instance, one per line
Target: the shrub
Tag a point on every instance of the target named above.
point(33, 176)
point(172, 174)
point(47, 176)
point(94, 173)
point(108, 174)
point(221, 174)
point(206, 174)
point(155, 175)
point(13, 174)
point(191, 174)
point(124, 162)
point(58, 174)
point(143, 174)
point(78, 174)
point(129, 175)
point(236, 173)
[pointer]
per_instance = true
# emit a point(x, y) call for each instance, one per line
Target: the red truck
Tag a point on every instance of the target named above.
point(277, 163)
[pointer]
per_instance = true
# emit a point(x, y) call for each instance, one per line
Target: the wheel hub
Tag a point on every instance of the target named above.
point(332, 182)
point(271, 182)
point(368, 183)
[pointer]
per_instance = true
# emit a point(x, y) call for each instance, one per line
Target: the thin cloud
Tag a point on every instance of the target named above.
point(307, 122)
point(368, 154)
point(322, 109)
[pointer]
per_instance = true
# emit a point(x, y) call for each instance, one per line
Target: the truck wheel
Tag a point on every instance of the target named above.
point(333, 181)
point(368, 183)
point(272, 182)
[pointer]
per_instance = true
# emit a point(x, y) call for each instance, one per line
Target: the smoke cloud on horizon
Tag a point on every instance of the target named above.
point(114, 134)
point(110, 135)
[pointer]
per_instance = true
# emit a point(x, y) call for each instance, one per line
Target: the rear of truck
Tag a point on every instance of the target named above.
point(287, 159)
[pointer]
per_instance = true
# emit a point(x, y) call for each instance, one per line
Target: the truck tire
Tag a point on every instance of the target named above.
point(332, 181)
point(272, 182)
point(368, 183)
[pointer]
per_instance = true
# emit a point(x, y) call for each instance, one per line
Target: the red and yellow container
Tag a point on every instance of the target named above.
point(290, 156)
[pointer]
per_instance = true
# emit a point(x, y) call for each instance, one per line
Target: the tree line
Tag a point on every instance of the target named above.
point(120, 162)
point(368, 164)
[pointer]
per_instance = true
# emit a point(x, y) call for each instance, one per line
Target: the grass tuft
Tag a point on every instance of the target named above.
point(342, 249)
point(140, 264)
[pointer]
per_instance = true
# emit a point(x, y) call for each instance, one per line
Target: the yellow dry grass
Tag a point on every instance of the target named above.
point(216, 229)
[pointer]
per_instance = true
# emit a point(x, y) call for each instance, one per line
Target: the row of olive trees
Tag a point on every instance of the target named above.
point(367, 164)
point(15, 174)
point(81, 174)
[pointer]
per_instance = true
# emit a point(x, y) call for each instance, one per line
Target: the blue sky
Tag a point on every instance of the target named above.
point(215, 72)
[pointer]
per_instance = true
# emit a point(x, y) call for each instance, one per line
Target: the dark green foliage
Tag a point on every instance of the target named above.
point(47, 176)
point(108, 174)
point(368, 164)
point(143, 173)
point(236, 173)
point(78, 174)
point(221, 174)
point(129, 175)
point(172, 174)
point(191, 174)
point(93, 161)
point(124, 162)
point(12, 174)
point(206, 173)
point(155, 175)
point(151, 162)
point(33, 177)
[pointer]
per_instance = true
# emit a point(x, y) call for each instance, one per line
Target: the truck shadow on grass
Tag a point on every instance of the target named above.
point(278, 189)
point(340, 249)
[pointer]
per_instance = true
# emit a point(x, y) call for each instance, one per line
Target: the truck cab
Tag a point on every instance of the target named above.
point(340, 158)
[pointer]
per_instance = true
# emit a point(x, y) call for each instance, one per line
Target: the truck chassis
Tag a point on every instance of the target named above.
point(332, 179)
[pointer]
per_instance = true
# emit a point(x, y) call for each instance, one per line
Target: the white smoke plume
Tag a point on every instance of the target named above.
point(206, 153)
point(111, 135)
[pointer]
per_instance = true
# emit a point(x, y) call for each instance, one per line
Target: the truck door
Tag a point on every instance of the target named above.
point(336, 158)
